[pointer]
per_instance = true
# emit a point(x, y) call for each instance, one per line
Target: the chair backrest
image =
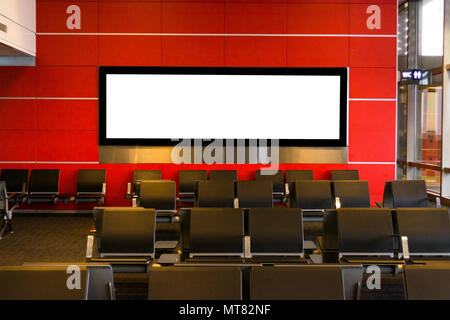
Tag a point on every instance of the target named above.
point(216, 194)
point(365, 232)
point(3, 197)
point(228, 175)
point(157, 194)
point(187, 179)
point(311, 194)
point(91, 181)
point(127, 232)
point(16, 180)
point(44, 181)
point(254, 193)
point(145, 175)
point(344, 175)
point(276, 231)
point(352, 194)
point(405, 194)
point(306, 282)
point(195, 283)
point(427, 229)
point(293, 175)
point(276, 179)
point(50, 282)
point(216, 232)
point(428, 281)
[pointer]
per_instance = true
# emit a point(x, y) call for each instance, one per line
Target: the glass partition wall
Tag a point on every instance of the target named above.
point(421, 108)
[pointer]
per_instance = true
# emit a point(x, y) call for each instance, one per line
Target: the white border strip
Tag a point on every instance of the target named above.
point(374, 99)
point(389, 163)
point(51, 162)
point(216, 34)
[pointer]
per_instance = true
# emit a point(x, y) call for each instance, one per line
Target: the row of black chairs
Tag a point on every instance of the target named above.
point(276, 234)
point(42, 185)
point(258, 282)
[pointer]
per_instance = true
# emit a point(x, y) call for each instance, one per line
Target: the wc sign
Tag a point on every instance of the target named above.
point(415, 76)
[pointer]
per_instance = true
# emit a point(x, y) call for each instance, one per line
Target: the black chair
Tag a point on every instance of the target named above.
point(215, 232)
point(16, 180)
point(126, 232)
point(139, 175)
point(352, 194)
point(429, 281)
point(5, 211)
point(427, 229)
point(91, 186)
point(52, 282)
point(195, 283)
point(365, 232)
point(293, 175)
point(344, 175)
point(275, 232)
point(305, 282)
point(311, 195)
point(187, 179)
point(44, 185)
point(157, 194)
point(276, 179)
point(216, 194)
point(254, 193)
point(223, 175)
point(405, 194)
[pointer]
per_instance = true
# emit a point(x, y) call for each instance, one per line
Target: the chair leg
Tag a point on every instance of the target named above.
point(4, 225)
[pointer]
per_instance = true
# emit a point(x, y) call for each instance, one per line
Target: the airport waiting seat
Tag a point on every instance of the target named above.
point(139, 175)
point(216, 194)
point(344, 175)
point(16, 181)
point(254, 193)
point(276, 179)
point(405, 194)
point(352, 194)
point(44, 185)
point(293, 175)
point(430, 281)
point(275, 232)
point(195, 283)
point(187, 180)
point(365, 232)
point(311, 195)
point(223, 175)
point(427, 229)
point(157, 194)
point(91, 186)
point(215, 232)
point(6, 211)
point(125, 232)
point(305, 282)
point(50, 282)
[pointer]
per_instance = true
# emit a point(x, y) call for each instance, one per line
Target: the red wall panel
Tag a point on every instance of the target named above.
point(255, 18)
point(317, 52)
point(372, 131)
point(129, 50)
point(62, 50)
point(193, 51)
point(358, 19)
point(125, 17)
point(67, 115)
point(373, 52)
point(67, 82)
point(17, 145)
point(17, 114)
point(17, 81)
point(318, 18)
point(373, 83)
point(51, 16)
point(255, 51)
point(192, 17)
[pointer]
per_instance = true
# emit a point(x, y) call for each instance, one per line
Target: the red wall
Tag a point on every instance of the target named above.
point(318, 34)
